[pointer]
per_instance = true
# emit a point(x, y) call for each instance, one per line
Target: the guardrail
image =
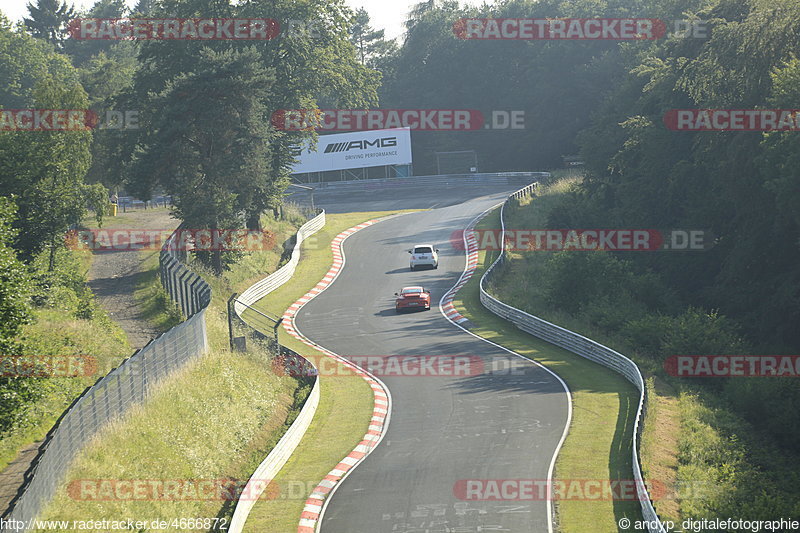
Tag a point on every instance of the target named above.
point(455, 179)
point(270, 467)
point(113, 395)
point(283, 274)
point(582, 346)
point(276, 458)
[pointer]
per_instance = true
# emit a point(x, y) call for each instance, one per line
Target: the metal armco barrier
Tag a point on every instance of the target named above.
point(112, 396)
point(502, 178)
point(277, 458)
point(283, 274)
point(583, 347)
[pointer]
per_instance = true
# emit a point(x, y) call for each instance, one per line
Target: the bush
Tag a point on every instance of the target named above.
point(52, 306)
point(64, 287)
point(15, 312)
point(773, 404)
point(697, 332)
point(574, 278)
point(646, 334)
point(611, 312)
point(730, 460)
point(725, 477)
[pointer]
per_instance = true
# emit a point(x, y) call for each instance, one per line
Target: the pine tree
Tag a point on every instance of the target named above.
point(370, 43)
point(49, 19)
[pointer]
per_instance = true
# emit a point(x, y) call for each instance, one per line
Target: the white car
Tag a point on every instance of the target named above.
point(424, 255)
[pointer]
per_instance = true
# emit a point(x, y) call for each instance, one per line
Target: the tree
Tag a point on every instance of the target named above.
point(308, 70)
point(370, 43)
point(45, 170)
point(553, 83)
point(211, 146)
point(49, 19)
point(14, 282)
point(143, 8)
point(107, 79)
point(26, 61)
point(84, 50)
point(108, 9)
point(15, 288)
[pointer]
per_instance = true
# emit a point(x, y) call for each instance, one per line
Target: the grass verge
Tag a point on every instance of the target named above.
point(55, 333)
point(659, 444)
point(207, 422)
point(345, 406)
point(65, 322)
point(216, 418)
point(701, 456)
point(598, 446)
point(68, 323)
point(154, 302)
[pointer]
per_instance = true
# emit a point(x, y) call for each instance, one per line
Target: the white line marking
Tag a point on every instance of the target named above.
point(550, 516)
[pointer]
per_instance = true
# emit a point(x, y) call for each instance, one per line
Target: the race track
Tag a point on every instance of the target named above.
point(443, 429)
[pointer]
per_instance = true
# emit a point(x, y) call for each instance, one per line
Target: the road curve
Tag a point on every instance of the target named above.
point(490, 425)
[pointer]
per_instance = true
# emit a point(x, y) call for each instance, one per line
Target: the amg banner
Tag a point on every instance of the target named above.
point(361, 149)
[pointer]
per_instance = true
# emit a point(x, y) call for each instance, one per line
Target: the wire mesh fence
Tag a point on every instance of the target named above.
point(188, 290)
point(112, 396)
point(130, 383)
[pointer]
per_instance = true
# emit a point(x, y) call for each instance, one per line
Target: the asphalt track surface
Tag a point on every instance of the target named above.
point(493, 423)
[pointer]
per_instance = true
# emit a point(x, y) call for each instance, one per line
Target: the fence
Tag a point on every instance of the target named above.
point(498, 178)
point(583, 347)
point(112, 395)
point(188, 290)
point(247, 324)
point(126, 203)
point(260, 328)
point(282, 275)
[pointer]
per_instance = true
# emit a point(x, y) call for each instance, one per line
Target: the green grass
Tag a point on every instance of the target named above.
point(218, 417)
point(54, 332)
point(604, 406)
point(659, 448)
point(222, 414)
point(701, 457)
point(134, 218)
point(153, 300)
point(345, 406)
point(206, 422)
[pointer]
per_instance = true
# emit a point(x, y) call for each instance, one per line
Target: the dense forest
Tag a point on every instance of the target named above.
point(607, 101)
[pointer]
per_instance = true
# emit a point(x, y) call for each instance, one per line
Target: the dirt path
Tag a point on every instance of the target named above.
point(112, 278)
point(13, 475)
point(113, 275)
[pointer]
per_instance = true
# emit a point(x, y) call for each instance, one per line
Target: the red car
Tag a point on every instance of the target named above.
point(412, 298)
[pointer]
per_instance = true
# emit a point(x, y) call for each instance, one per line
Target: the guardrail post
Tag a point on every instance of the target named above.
point(231, 311)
